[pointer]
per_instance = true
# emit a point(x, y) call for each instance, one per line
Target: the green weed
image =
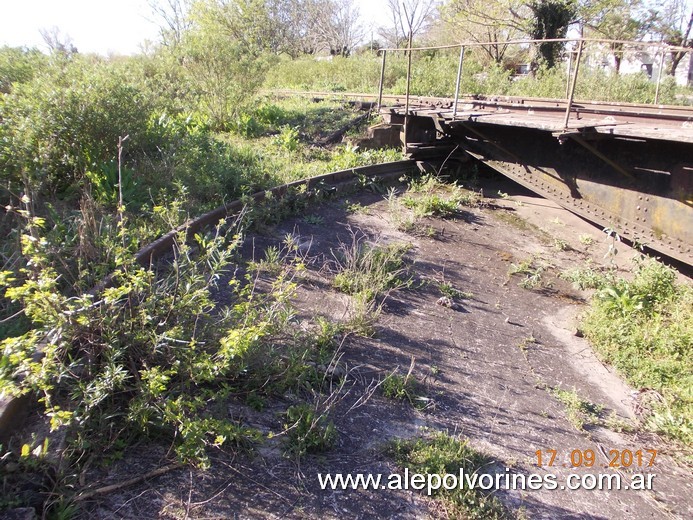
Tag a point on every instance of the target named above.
point(580, 413)
point(288, 138)
point(369, 271)
point(588, 278)
point(355, 207)
point(315, 220)
point(447, 289)
point(526, 342)
point(307, 430)
point(430, 197)
point(441, 454)
point(561, 245)
point(531, 271)
point(586, 240)
point(271, 263)
point(396, 386)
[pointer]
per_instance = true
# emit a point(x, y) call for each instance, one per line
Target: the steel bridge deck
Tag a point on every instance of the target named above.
point(627, 120)
point(624, 166)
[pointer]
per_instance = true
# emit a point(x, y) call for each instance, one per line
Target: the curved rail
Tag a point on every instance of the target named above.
point(13, 409)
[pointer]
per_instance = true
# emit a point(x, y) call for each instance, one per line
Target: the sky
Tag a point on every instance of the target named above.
point(104, 26)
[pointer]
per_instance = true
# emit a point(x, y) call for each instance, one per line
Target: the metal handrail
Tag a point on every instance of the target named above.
point(661, 50)
point(467, 43)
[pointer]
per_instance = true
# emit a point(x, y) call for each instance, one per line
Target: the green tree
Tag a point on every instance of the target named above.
point(615, 20)
point(551, 19)
point(222, 53)
point(673, 24)
point(486, 22)
point(18, 65)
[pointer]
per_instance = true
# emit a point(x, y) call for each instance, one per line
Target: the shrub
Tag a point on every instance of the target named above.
point(210, 168)
point(18, 65)
point(65, 121)
point(308, 431)
point(149, 356)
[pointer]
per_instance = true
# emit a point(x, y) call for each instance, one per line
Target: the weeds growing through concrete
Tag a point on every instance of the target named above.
point(440, 454)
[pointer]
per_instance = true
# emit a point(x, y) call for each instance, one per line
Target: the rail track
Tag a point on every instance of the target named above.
point(13, 409)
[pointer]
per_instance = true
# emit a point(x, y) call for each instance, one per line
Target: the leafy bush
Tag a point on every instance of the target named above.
point(288, 138)
point(65, 121)
point(271, 114)
point(148, 357)
point(210, 168)
point(18, 65)
point(104, 180)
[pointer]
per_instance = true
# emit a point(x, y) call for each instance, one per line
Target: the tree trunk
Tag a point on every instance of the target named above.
point(676, 57)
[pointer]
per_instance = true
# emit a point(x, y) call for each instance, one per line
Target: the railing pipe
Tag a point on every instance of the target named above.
point(659, 76)
point(570, 68)
point(406, 106)
point(457, 85)
point(548, 40)
point(382, 81)
point(571, 94)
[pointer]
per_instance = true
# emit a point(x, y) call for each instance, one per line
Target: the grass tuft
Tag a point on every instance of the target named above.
point(441, 454)
point(580, 412)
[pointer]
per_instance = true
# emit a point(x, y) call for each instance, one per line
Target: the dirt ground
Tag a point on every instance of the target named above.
point(487, 365)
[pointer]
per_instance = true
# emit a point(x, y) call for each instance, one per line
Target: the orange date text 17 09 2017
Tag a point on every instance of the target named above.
point(587, 458)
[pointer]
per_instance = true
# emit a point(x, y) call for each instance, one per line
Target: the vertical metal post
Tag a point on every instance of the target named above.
point(570, 68)
point(457, 86)
point(406, 106)
point(382, 81)
point(573, 81)
point(659, 76)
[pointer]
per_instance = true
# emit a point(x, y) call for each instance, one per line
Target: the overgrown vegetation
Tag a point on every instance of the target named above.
point(368, 272)
point(153, 354)
point(442, 454)
point(100, 156)
point(644, 327)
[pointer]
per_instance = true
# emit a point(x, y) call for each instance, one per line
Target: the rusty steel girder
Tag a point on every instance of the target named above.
point(641, 187)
